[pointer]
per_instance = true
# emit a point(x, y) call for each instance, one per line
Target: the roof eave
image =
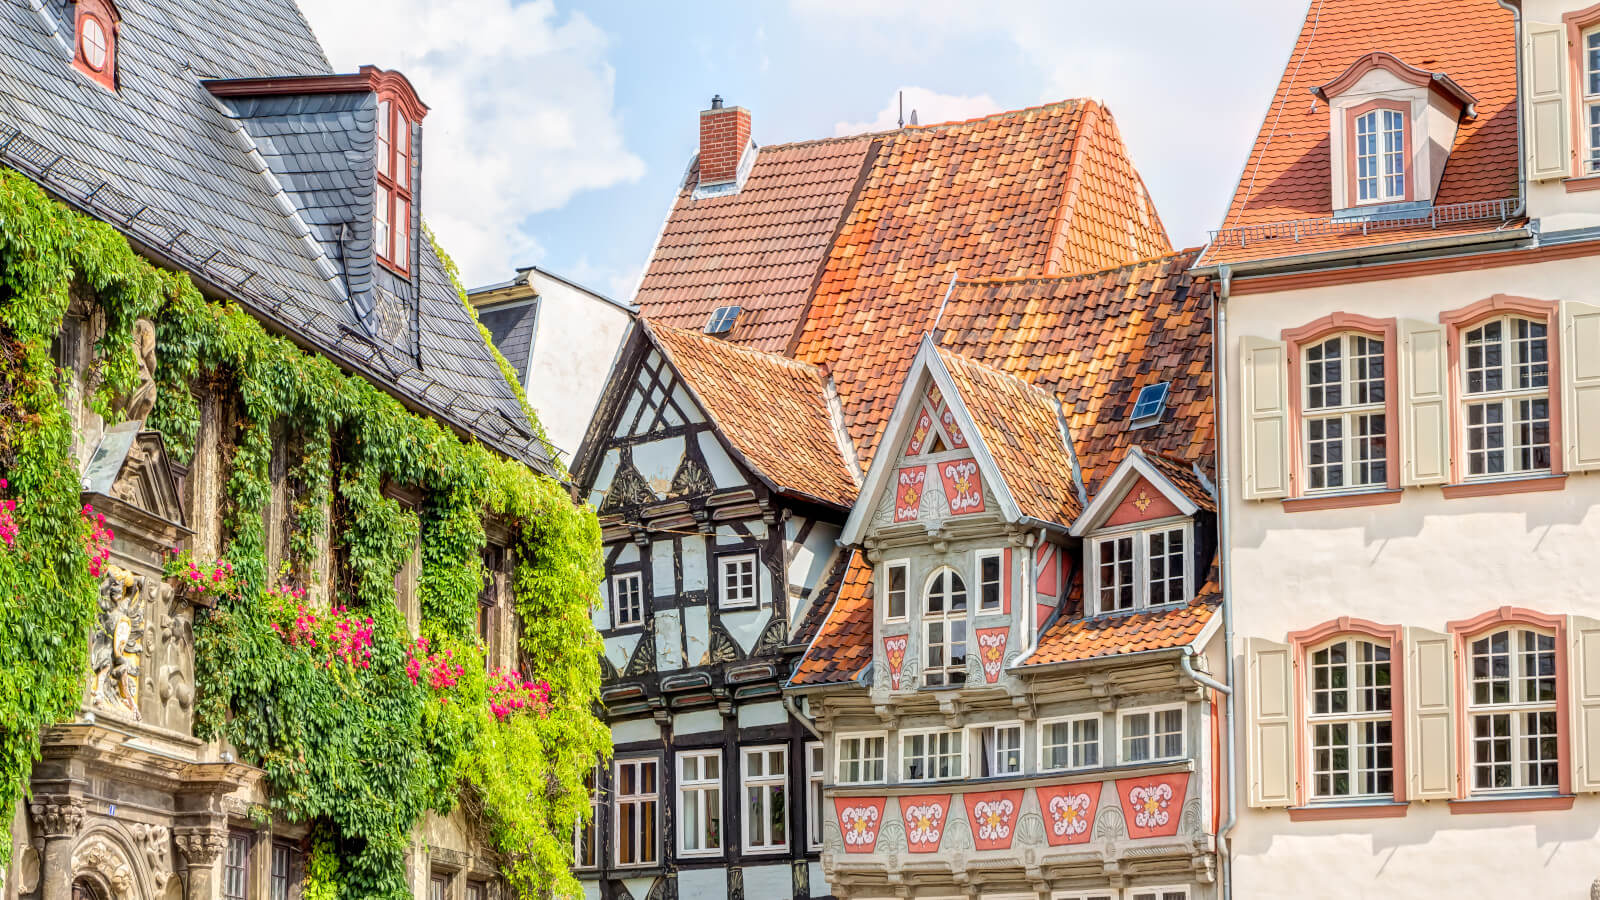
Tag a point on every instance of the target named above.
point(1359, 257)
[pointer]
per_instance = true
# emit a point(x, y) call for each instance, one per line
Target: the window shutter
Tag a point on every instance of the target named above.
point(1425, 413)
point(1545, 50)
point(1271, 711)
point(1266, 426)
point(1585, 650)
point(1580, 385)
point(1430, 703)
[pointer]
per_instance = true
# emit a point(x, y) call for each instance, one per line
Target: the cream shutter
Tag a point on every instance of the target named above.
point(1583, 635)
point(1580, 385)
point(1545, 52)
point(1266, 423)
point(1424, 404)
point(1430, 727)
point(1271, 710)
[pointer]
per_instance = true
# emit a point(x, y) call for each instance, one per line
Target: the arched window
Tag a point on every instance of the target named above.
point(1505, 396)
point(944, 628)
point(1513, 728)
point(1350, 719)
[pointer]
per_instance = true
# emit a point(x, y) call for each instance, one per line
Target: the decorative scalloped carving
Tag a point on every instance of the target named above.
point(99, 855)
point(1030, 828)
point(1111, 826)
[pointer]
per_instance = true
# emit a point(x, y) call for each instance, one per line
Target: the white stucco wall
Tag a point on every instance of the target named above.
point(577, 339)
point(1421, 562)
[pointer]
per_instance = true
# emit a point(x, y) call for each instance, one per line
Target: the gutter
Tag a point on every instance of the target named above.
point(1363, 257)
point(1219, 382)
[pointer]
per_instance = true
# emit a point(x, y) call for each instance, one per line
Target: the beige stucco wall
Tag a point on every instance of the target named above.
point(577, 339)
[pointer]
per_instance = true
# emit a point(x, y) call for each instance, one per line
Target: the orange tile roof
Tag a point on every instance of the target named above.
point(1183, 477)
point(1287, 177)
point(761, 248)
point(1094, 340)
point(1034, 192)
point(1021, 428)
point(1070, 638)
point(772, 409)
point(843, 645)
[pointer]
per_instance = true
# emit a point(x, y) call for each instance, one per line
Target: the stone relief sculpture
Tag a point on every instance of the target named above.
point(138, 404)
point(116, 645)
point(155, 842)
point(97, 854)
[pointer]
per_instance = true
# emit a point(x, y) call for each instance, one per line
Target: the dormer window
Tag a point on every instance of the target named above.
point(1140, 568)
point(95, 54)
point(391, 215)
point(1380, 153)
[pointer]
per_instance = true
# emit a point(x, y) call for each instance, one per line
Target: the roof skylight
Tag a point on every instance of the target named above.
point(722, 320)
point(1152, 401)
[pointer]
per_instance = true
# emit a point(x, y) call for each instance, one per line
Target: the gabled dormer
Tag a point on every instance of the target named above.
point(1391, 129)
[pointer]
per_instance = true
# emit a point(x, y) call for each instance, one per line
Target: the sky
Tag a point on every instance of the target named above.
point(560, 130)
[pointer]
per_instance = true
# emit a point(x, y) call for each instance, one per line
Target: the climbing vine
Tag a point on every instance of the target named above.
point(360, 727)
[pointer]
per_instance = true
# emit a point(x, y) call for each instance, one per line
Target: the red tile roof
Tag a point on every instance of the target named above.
point(1073, 639)
point(761, 248)
point(1021, 428)
point(790, 439)
point(1094, 340)
point(843, 645)
point(1183, 477)
point(1038, 191)
point(1287, 177)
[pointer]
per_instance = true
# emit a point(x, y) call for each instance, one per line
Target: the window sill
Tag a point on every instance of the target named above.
point(1511, 804)
point(765, 851)
point(1342, 501)
point(1529, 485)
point(1383, 809)
point(1582, 183)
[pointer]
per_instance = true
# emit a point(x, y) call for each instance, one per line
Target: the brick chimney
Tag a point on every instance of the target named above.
point(724, 133)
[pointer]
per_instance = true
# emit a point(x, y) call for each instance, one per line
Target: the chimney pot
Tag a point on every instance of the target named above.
point(716, 101)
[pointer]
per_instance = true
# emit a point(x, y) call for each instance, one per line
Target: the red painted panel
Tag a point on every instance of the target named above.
point(925, 818)
point(1142, 503)
point(908, 493)
point(952, 430)
point(1045, 562)
point(992, 650)
point(860, 820)
point(1069, 812)
point(993, 818)
point(963, 486)
point(1041, 611)
point(934, 397)
point(919, 435)
point(894, 653)
point(1152, 805)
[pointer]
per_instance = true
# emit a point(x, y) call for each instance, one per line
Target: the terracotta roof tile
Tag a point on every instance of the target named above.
point(1072, 639)
point(1021, 428)
point(1182, 475)
point(843, 646)
point(772, 409)
point(1287, 175)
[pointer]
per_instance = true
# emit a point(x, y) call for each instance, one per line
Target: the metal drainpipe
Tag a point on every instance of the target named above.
point(794, 710)
point(1219, 362)
point(1515, 6)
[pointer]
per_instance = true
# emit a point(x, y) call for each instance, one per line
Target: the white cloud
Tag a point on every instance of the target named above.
point(521, 113)
point(930, 107)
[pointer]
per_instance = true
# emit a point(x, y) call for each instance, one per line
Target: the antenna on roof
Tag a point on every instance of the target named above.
point(902, 109)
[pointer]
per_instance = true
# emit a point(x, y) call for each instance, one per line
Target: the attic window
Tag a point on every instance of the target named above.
point(1148, 408)
point(1379, 152)
point(391, 213)
point(96, 45)
point(722, 319)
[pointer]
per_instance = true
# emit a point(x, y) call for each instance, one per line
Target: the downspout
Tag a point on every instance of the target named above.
point(794, 710)
point(1219, 349)
point(1515, 8)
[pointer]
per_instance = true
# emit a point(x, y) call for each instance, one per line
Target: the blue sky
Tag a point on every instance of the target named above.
point(559, 130)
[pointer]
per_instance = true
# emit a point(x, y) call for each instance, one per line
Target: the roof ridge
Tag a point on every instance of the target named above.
point(861, 135)
point(969, 361)
point(708, 341)
point(1070, 276)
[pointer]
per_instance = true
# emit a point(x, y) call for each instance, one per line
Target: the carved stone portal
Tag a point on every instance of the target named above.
point(99, 855)
point(116, 645)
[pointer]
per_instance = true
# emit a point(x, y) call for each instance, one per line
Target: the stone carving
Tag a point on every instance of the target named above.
point(57, 815)
point(644, 655)
point(201, 846)
point(735, 883)
point(172, 683)
point(99, 855)
point(155, 842)
point(772, 638)
point(628, 488)
point(116, 645)
point(691, 479)
point(723, 649)
point(137, 405)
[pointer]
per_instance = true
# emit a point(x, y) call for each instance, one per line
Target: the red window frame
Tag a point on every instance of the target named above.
point(1352, 182)
point(105, 16)
point(392, 201)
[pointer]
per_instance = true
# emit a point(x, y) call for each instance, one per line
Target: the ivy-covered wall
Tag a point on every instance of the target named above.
point(360, 727)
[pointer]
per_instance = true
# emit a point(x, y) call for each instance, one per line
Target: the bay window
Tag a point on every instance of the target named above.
point(1513, 723)
point(766, 788)
point(700, 803)
point(391, 214)
point(1505, 374)
point(1343, 422)
point(944, 629)
point(1351, 720)
point(637, 813)
point(861, 758)
point(930, 755)
point(1069, 743)
point(1152, 735)
point(1136, 569)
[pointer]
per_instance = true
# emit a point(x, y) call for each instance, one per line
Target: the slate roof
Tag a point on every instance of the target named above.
point(773, 410)
point(1040, 191)
point(1021, 428)
point(1093, 340)
point(163, 161)
point(761, 248)
point(511, 327)
point(1287, 175)
point(843, 645)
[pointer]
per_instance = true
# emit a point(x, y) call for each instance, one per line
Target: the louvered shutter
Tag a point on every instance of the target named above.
point(1545, 56)
point(1580, 386)
point(1583, 638)
point(1424, 404)
point(1430, 711)
point(1270, 707)
point(1266, 423)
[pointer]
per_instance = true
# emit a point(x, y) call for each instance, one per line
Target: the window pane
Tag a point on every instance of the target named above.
point(897, 592)
point(989, 582)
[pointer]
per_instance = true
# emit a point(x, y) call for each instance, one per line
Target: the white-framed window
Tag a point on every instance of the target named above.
point(1380, 156)
point(1343, 413)
point(585, 846)
point(862, 758)
point(1104, 894)
point(638, 812)
point(996, 749)
point(816, 775)
point(1069, 743)
point(627, 599)
point(944, 629)
point(1505, 372)
point(700, 803)
point(1591, 100)
point(736, 581)
point(766, 796)
point(1164, 892)
point(931, 755)
point(896, 590)
point(1351, 720)
point(991, 581)
point(1513, 724)
point(1151, 735)
point(1136, 569)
